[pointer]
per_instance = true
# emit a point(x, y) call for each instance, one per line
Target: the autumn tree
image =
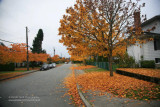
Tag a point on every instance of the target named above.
point(55, 58)
point(35, 57)
point(77, 27)
point(104, 26)
point(14, 53)
point(119, 15)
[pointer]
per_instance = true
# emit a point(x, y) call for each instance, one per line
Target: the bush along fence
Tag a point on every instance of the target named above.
point(7, 67)
point(104, 65)
point(139, 76)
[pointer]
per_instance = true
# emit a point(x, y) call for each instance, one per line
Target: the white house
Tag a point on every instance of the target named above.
point(151, 49)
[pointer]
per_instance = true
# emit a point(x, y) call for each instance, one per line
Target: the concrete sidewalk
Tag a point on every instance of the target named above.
point(108, 100)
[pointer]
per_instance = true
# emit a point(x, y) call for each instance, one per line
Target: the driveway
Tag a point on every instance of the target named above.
point(39, 89)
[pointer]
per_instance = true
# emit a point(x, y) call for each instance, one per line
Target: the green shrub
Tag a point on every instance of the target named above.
point(7, 67)
point(148, 64)
point(125, 61)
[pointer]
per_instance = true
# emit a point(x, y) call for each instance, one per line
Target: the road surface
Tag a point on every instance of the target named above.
point(39, 89)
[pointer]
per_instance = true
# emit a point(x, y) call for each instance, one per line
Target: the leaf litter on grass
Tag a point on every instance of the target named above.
point(118, 85)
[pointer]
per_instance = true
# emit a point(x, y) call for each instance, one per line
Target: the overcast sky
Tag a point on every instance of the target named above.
point(15, 15)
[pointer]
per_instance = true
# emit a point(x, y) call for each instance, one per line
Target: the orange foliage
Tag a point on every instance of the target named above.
point(55, 58)
point(64, 59)
point(70, 83)
point(143, 71)
point(5, 55)
point(38, 57)
point(87, 31)
point(17, 54)
point(119, 85)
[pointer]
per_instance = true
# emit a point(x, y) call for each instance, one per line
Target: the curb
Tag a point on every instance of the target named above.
point(87, 104)
point(19, 75)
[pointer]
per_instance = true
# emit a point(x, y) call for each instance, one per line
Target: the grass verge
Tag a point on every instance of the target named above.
point(95, 70)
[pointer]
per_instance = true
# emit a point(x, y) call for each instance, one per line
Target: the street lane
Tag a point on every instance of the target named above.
point(39, 89)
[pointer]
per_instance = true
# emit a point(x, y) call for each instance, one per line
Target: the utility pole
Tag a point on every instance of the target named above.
point(27, 49)
point(54, 51)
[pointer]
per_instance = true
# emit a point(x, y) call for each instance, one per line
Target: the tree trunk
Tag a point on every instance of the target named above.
point(84, 62)
point(110, 66)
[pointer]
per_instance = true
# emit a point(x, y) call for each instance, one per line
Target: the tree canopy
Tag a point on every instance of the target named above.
point(99, 27)
point(37, 43)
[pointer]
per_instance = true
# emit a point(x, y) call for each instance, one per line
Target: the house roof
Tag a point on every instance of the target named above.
point(150, 20)
point(2, 44)
point(150, 34)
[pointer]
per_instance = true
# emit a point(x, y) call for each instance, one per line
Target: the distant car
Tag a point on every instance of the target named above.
point(44, 67)
point(54, 65)
point(51, 66)
point(65, 62)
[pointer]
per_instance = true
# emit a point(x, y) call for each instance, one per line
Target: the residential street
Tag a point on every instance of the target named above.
point(39, 89)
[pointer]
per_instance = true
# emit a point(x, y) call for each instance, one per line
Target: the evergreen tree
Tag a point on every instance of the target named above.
point(37, 42)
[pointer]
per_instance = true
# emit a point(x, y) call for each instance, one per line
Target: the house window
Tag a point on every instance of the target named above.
point(157, 44)
point(157, 60)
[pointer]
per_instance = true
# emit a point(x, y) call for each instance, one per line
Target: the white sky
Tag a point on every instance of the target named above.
point(15, 15)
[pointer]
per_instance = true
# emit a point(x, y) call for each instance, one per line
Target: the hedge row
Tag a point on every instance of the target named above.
point(148, 64)
point(7, 67)
point(139, 76)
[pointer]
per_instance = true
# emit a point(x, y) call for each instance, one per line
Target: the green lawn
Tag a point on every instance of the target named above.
point(95, 70)
point(2, 72)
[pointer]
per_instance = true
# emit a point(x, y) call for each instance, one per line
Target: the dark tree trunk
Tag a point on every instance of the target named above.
point(110, 65)
point(84, 62)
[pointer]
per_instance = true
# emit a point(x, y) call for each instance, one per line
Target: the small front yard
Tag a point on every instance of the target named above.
point(7, 74)
point(118, 85)
point(25, 69)
point(143, 71)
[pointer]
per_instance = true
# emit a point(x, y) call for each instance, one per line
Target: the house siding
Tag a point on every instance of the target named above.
point(147, 50)
point(135, 52)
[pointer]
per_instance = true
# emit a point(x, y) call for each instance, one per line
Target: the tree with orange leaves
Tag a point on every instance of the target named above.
point(17, 54)
point(41, 57)
point(5, 56)
point(98, 27)
point(55, 58)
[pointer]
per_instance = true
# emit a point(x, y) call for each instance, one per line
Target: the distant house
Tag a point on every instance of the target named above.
point(151, 49)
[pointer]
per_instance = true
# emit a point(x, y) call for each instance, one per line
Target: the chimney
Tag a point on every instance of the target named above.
point(137, 21)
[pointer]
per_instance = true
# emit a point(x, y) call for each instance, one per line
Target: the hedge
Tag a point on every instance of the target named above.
point(7, 67)
point(148, 64)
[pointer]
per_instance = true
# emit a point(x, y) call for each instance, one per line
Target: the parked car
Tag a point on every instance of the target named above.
point(44, 67)
point(51, 66)
point(54, 65)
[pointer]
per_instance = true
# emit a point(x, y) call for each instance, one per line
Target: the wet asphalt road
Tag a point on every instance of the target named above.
point(39, 89)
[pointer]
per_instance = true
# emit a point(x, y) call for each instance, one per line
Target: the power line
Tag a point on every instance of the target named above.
point(11, 42)
point(3, 33)
point(7, 41)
